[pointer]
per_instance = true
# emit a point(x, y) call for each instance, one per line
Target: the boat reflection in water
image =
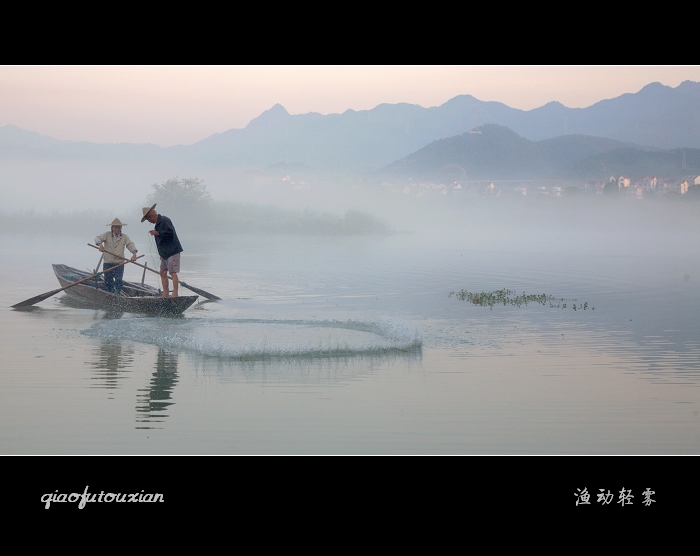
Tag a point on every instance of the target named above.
point(153, 402)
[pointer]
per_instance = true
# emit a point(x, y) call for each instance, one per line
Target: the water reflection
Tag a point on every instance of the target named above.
point(664, 361)
point(104, 313)
point(667, 357)
point(153, 402)
point(74, 303)
point(112, 360)
point(27, 309)
point(306, 369)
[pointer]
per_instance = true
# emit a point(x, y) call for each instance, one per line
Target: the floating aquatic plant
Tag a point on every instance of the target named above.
point(509, 297)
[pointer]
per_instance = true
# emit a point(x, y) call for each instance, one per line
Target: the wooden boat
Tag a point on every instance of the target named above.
point(134, 298)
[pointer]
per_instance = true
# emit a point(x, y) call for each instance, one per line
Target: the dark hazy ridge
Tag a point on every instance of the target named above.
point(359, 141)
point(496, 152)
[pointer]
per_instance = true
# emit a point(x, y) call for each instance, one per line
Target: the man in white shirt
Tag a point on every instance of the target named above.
point(115, 242)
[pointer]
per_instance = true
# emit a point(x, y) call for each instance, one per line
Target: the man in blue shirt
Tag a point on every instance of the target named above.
point(168, 245)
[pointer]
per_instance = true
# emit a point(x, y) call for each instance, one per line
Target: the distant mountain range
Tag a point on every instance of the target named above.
point(657, 116)
point(496, 152)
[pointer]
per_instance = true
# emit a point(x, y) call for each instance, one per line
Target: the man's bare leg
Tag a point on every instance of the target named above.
point(176, 283)
point(164, 282)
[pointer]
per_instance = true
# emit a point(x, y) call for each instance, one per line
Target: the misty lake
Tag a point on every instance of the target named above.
point(353, 345)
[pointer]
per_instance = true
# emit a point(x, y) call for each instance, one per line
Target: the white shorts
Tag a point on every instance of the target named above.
point(171, 264)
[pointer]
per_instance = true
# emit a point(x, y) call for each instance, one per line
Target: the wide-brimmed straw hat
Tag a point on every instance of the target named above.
point(116, 222)
point(146, 210)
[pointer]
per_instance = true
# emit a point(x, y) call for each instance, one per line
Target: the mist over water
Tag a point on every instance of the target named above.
point(350, 343)
point(337, 333)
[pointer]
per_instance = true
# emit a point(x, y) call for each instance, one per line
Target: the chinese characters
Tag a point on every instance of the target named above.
point(605, 498)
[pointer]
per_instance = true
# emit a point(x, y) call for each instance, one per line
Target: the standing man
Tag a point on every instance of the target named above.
point(115, 242)
point(169, 247)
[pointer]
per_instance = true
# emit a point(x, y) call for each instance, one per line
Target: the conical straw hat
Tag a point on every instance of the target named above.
point(146, 210)
point(116, 222)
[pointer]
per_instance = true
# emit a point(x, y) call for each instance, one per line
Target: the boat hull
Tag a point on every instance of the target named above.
point(140, 299)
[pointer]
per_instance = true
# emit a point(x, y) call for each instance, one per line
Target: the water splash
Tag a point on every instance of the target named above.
point(260, 338)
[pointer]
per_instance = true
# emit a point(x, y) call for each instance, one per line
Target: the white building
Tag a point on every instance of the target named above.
point(623, 181)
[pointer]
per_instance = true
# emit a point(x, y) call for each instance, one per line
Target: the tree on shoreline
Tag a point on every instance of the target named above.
point(181, 194)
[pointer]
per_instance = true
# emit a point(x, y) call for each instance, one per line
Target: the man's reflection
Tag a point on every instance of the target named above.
point(154, 401)
point(111, 361)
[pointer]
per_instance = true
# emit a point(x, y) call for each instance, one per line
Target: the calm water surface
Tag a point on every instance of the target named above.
point(329, 345)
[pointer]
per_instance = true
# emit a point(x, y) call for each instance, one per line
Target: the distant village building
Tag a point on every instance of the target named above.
point(687, 182)
point(668, 185)
point(643, 188)
point(623, 181)
point(648, 184)
point(675, 187)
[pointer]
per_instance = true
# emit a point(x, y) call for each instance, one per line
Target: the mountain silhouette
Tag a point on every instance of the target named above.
point(657, 116)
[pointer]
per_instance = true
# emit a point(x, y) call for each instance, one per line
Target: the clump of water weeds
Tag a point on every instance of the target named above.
point(509, 297)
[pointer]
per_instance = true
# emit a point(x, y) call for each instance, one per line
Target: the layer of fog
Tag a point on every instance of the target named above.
point(290, 199)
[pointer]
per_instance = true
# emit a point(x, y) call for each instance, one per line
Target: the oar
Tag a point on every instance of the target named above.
point(38, 298)
point(209, 296)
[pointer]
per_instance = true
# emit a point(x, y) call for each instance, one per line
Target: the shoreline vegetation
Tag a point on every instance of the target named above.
point(190, 205)
point(224, 218)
